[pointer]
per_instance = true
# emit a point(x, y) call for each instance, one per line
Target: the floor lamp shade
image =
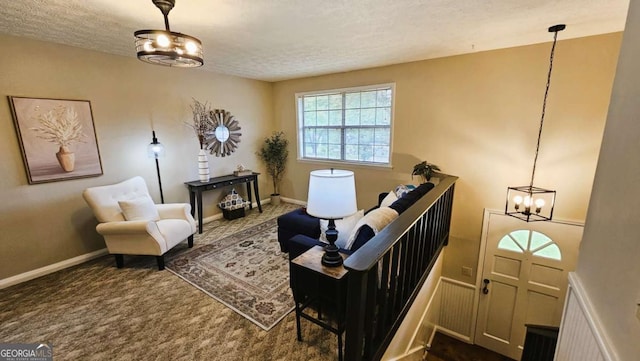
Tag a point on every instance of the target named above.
point(332, 194)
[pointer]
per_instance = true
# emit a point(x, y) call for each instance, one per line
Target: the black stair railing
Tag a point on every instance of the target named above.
point(386, 274)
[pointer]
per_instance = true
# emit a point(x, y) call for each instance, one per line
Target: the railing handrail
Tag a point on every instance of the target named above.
point(371, 252)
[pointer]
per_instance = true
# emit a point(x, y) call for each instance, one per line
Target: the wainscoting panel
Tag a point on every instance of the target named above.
point(580, 338)
point(456, 315)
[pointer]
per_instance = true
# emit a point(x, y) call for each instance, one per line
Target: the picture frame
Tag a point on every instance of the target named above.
point(57, 138)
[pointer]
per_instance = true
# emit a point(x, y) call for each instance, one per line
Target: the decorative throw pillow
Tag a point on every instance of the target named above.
point(232, 201)
point(377, 219)
point(139, 209)
point(402, 189)
point(390, 198)
point(343, 226)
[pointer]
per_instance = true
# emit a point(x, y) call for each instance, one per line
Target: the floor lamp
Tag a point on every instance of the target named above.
point(156, 150)
point(332, 195)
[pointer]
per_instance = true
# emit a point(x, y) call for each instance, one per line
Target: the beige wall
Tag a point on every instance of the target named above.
point(477, 117)
point(609, 263)
point(46, 223)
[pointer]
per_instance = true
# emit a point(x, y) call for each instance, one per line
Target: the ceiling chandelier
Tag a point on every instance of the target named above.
point(165, 47)
point(530, 203)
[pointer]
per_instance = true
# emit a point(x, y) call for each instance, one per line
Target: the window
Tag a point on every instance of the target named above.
point(535, 242)
point(347, 125)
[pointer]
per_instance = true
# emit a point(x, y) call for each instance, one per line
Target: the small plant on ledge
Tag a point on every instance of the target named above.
point(274, 154)
point(424, 170)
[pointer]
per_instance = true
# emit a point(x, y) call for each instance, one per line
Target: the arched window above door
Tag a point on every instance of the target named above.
point(537, 243)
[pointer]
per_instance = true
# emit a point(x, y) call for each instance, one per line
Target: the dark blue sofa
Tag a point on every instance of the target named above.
point(299, 231)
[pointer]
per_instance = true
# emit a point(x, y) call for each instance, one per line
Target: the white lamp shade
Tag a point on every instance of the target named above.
point(332, 194)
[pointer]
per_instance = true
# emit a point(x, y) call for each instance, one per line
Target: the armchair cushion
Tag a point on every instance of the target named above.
point(139, 209)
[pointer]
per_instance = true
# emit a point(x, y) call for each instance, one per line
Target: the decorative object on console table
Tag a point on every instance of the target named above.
point(332, 195)
point(155, 150)
point(241, 170)
point(203, 126)
point(57, 138)
point(225, 137)
point(424, 170)
point(528, 202)
point(274, 153)
point(203, 166)
point(232, 205)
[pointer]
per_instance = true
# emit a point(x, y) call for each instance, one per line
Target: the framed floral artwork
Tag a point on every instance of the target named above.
point(57, 138)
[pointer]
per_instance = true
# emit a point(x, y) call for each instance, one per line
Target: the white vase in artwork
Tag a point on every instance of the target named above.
point(203, 166)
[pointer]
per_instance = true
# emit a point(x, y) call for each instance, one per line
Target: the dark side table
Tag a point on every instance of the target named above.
point(197, 187)
point(314, 284)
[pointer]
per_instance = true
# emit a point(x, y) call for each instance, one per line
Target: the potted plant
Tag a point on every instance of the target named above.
point(62, 127)
point(424, 170)
point(274, 154)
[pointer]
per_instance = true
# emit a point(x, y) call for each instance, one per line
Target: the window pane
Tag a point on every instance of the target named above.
point(309, 135)
point(322, 151)
point(309, 103)
point(551, 251)
point(335, 117)
point(383, 116)
point(522, 238)
point(368, 99)
point(322, 136)
point(366, 137)
point(382, 136)
point(384, 98)
point(335, 136)
point(538, 240)
point(335, 152)
point(352, 100)
point(368, 116)
point(351, 152)
point(352, 117)
point(351, 136)
point(310, 119)
point(335, 101)
point(509, 244)
point(365, 153)
point(310, 150)
point(381, 154)
point(322, 118)
point(322, 102)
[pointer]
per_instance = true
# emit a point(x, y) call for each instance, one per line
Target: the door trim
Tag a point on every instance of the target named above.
point(481, 254)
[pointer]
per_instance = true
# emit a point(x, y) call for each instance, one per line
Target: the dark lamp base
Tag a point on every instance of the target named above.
point(331, 256)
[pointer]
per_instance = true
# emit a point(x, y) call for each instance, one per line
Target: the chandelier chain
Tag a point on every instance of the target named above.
point(544, 106)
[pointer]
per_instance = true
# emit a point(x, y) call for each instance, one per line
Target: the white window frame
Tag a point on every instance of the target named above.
point(300, 125)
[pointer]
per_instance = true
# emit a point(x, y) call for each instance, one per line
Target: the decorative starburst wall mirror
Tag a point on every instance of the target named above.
point(225, 137)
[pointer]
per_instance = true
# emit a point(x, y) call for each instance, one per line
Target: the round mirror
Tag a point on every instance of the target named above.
point(222, 133)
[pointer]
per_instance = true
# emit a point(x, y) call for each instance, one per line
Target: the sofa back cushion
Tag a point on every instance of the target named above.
point(403, 203)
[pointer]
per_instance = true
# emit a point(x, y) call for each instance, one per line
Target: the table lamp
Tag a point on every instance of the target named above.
point(332, 195)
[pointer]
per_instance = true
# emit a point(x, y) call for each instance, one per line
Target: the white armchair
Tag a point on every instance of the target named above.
point(132, 224)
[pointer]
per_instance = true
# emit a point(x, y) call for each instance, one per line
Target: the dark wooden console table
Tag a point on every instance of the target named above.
point(197, 187)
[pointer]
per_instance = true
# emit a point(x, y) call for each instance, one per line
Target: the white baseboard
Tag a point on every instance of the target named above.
point(27, 276)
point(294, 201)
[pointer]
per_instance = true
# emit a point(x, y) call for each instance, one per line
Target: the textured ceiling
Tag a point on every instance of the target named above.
point(283, 39)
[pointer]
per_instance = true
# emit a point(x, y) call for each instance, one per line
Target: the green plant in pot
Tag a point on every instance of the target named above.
point(424, 170)
point(274, 154)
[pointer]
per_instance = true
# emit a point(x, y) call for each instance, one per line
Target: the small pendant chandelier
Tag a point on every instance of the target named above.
point(530, 203)
point(165, 47)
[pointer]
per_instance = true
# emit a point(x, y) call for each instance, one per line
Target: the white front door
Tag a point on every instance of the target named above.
point(524, 279)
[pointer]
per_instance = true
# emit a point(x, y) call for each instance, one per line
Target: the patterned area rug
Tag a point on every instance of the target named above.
point(245, 271)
